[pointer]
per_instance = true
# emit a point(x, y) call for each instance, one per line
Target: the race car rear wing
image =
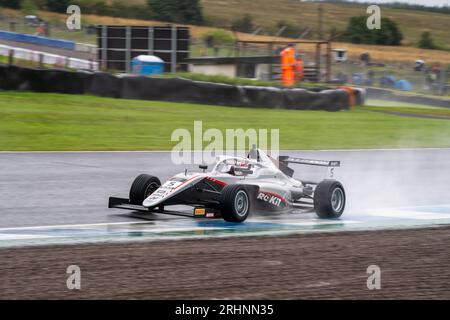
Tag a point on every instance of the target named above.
point(285, 160)
point(312, 162)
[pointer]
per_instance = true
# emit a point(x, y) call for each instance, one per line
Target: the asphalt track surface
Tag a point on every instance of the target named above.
point(40, 189)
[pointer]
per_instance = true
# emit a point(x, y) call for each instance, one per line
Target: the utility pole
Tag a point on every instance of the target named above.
point(320, 21)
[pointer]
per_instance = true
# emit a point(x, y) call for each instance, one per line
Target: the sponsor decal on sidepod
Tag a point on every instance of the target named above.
point(272, 199)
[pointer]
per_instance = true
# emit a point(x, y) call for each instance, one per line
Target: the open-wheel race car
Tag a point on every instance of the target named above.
point(238, 186)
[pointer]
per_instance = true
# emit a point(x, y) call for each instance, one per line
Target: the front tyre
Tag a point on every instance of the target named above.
point(329, 199)
point(143, 186)
point(234, 203)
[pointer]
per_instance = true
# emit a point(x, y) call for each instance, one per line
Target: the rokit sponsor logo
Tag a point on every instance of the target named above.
point(276, 201)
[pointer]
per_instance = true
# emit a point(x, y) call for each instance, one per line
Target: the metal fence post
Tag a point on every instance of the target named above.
point(173, 53)
point(318, 56)
point(41, 60)
point(11, 57)
point(127, 49)
point(328, 76)
point(151, 45)
point(104, 52)
point(271, 53)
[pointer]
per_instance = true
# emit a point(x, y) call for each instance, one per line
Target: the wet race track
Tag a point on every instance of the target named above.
point(56, 198)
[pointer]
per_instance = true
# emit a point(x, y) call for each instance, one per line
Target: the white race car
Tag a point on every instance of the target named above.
point(237, 186)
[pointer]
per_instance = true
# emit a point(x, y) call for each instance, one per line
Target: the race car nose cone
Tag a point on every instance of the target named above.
point(151, 201)
point(147, 203)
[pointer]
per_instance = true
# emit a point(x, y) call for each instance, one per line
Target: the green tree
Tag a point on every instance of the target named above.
point(15, 4)
point(394, 35)
point(389, 34)
point(29, 6)
point(180, 11)
point(426, 41)
point(244, 24)
point(57, 5)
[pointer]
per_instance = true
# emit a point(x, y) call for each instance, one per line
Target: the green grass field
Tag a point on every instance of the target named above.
point(413, 111)
point(36, 121)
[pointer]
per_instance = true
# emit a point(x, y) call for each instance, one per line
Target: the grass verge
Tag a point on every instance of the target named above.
point(240, 81)
point(407, 109)
point(38, 121)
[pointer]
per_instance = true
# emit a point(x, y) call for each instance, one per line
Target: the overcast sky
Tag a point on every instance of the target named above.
point(423, 2)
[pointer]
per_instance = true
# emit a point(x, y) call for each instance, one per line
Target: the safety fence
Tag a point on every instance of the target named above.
point(46, 59)
point(38, 40)
point(174, 89)
point(47, 42)
point(49, 28)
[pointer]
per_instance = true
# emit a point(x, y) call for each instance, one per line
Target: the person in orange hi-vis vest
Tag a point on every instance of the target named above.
point(298, 68)
point(288, 66)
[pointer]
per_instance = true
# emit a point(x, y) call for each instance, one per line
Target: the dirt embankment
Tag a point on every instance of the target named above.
point(414, 264)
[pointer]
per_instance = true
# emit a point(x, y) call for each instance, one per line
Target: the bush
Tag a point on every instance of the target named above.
point(217, 38)
point(14, 4)
point(426, 42)
point(114, 9)
point(389, 34)
point(244, 24)
point(29, 6)
point(180, 11)
point(57, 5)
point(290, 30)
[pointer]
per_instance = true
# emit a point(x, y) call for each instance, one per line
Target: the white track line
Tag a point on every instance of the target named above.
point(169, 151)
point(410, 207)
point(104, 224)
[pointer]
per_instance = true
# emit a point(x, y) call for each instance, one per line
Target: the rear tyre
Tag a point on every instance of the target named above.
point(329, 199)
point(143, 186)
point(234, 203)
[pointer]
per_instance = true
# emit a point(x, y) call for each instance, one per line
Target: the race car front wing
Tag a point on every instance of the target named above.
point(198, 212)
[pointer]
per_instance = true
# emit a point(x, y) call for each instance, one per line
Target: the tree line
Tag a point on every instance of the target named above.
point(181, 11)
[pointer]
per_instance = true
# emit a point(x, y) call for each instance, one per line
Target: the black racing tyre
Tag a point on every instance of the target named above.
point(234, 203)
point(329, 199)
point(143, 186)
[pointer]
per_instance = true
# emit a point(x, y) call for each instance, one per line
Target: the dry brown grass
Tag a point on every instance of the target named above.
point(267, 13)
point(380, 53)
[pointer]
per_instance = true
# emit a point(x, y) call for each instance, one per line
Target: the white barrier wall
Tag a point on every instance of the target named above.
point(82, 47)
point(49, 58)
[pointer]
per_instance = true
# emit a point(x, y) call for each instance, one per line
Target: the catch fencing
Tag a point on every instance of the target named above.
point(46, 59)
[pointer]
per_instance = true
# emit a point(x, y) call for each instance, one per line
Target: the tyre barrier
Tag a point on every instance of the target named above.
point(172, 89)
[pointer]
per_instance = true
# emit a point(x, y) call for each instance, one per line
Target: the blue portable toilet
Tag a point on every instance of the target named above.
point(146, 64)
